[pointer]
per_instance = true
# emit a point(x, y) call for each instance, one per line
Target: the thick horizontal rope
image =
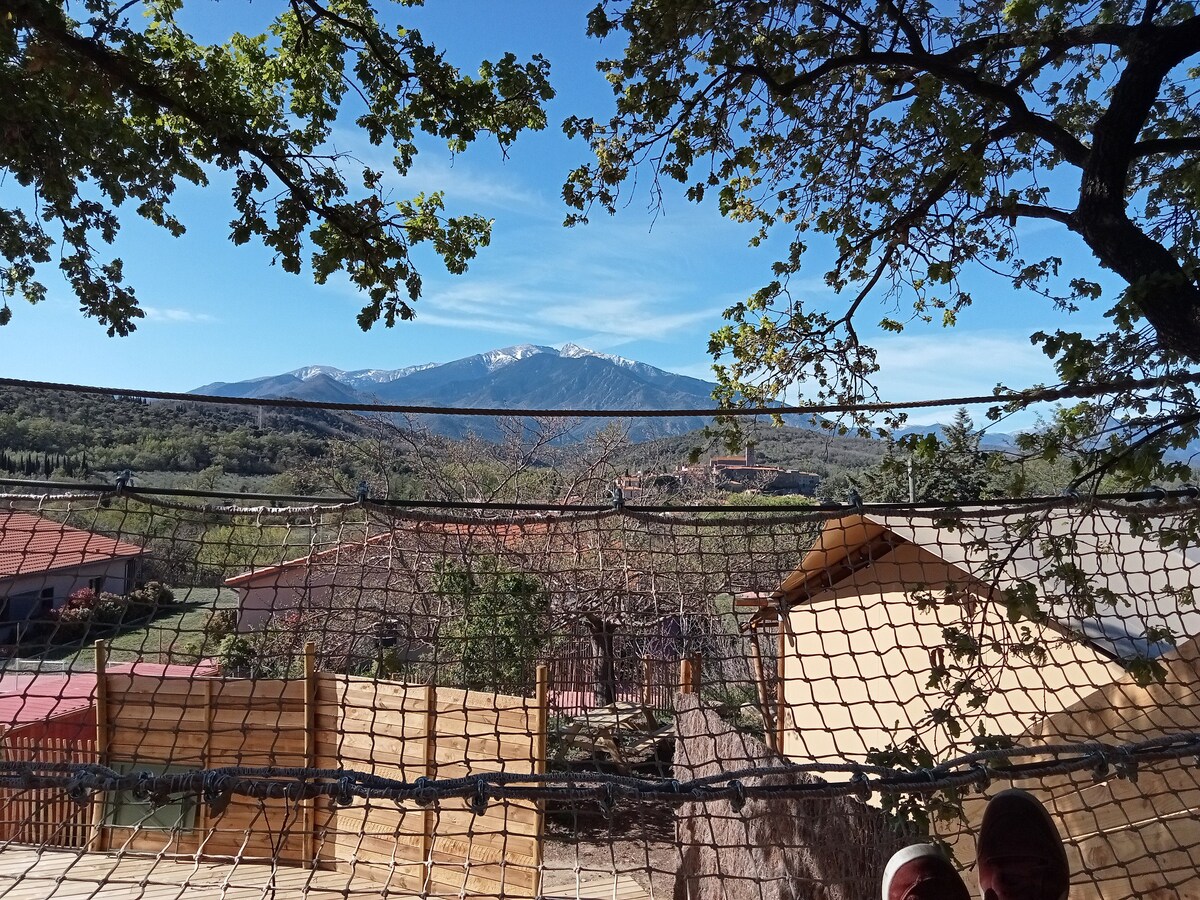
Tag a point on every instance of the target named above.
point(978, 770)
point(1037, 395)
point(68, 491)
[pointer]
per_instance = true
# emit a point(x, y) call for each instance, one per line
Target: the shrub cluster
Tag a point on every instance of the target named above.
point(86, 610)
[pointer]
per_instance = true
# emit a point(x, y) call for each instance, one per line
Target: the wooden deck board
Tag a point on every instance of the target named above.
point(30, 874)
point(615, 887)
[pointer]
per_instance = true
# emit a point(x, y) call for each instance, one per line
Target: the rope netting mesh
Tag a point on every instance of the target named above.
point(353, 699)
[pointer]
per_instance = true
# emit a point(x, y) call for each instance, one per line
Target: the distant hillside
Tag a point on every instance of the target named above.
point(802, 449)
point(525, 376)
point(111, 433)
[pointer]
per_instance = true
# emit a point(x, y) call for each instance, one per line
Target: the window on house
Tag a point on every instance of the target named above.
point(97, 583)
point(131, 572)
point(125, 810)
point(17, 607)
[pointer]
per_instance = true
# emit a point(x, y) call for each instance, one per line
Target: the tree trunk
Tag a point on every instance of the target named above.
point(606, 660)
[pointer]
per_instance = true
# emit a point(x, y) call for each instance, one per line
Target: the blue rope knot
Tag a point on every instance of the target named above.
point(862, 785)
point(1100, 765)
point(217, 794)
point(345, 792)
point(618, 497)
point(984, 776)
point(738, 800)
point(479, 800)
point(423, 794)
point(142, 789)
point(608, 799)
point(78, 791)
point(1127, 766)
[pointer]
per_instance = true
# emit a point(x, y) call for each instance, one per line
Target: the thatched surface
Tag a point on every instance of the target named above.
point(827, 849)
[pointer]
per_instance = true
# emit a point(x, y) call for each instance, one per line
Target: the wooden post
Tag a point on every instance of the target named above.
point(647, 671)
point(429, 814)
point(542, 723)
point(686, 680)
point(100, 801)
point(206, 755)
point(760, 685)
point(309, 811)
point(780, 668)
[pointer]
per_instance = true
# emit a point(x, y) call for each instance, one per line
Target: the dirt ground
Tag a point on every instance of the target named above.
point(637, 842)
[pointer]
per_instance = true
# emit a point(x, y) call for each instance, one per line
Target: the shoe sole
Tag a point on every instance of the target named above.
point(1047, 819)
point(1035, 803)
point(902, 858)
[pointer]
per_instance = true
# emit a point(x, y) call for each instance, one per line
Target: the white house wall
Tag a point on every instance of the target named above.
point(65, 582)
point(296, 588)
point(857, 663)
point(24, 601)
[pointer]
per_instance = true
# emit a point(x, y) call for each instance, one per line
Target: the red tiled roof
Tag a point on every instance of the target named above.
point(504, 535)
point(30, 545)
point(269, 571)
point(33, 696)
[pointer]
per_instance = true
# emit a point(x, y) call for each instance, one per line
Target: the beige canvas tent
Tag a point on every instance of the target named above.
point(880, 603)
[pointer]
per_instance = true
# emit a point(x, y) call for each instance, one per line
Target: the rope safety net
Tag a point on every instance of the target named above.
point(364, 698)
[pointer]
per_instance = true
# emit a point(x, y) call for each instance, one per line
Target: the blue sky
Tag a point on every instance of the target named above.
point(643, 286)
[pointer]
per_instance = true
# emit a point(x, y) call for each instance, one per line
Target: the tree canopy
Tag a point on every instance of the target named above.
point(916, 138)
point(112, 104)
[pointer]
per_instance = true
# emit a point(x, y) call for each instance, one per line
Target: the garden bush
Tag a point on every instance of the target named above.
point(71, 623)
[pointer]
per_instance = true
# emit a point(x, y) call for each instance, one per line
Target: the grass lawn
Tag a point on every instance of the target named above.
point(153, 640)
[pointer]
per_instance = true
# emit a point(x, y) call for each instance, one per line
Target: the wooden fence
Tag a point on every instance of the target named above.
point(406, 731)
point(45, 817)
point(334, 722)
point(647, 680)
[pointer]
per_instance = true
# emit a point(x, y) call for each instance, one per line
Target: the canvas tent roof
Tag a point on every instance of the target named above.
point(1052, 550)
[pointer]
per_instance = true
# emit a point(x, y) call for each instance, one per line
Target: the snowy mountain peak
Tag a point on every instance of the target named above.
point(359, 378)
point(309, 372)
point(495, 359)
point(574, 351)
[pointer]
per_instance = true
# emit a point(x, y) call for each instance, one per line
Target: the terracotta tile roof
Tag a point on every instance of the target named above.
point(31, 545)
point(498, 535)
point(33, 696)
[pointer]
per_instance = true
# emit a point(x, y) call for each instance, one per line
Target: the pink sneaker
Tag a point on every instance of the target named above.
point(922, 872)
point(1021, 856)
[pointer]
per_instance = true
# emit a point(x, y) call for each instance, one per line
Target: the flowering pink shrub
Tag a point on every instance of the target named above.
point(81, 598)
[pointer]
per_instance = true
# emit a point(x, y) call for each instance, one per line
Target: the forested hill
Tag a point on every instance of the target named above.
point(803, 449)
point(102, 433)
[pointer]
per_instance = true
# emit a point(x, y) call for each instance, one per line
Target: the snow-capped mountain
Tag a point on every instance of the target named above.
point(523, 376)
point(359, 378)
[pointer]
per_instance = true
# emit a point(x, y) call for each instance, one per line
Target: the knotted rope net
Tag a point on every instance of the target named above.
point(213, 698)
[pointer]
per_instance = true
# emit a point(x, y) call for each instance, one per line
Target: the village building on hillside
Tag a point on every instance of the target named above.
point(733, 474)
point(886, 614)
point(744, 472)
point(42, 562)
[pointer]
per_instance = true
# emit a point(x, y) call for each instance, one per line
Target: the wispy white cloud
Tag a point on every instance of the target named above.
point(521, 329)
point(466, 184)
point(949, 363)
point(177, 316)
point(701, 370)
point(637, 317)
